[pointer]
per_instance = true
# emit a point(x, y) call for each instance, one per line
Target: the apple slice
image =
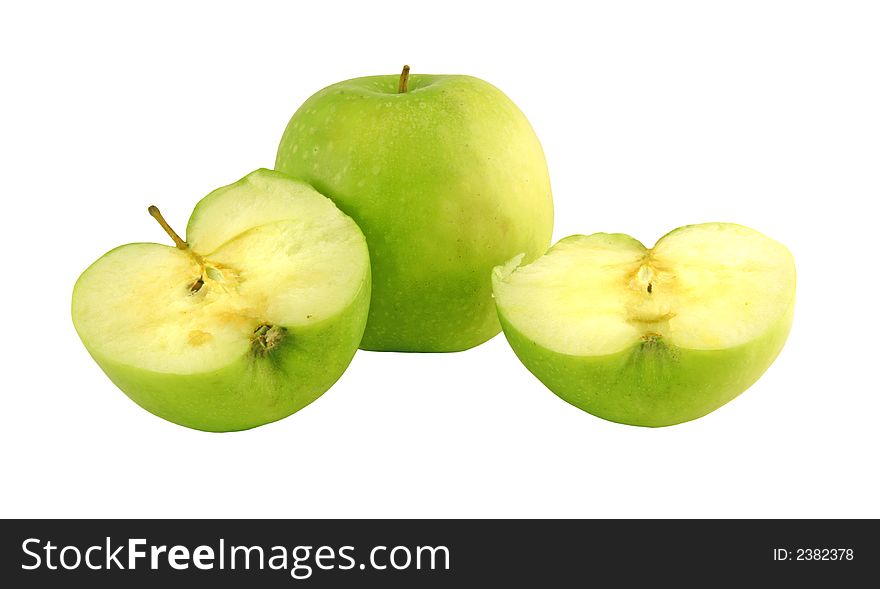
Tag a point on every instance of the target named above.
point(650, 337)
point(250, 320)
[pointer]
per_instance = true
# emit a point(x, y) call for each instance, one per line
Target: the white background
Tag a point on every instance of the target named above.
point(653, 115)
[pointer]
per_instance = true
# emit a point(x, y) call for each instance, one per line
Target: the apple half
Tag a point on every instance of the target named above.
point(250, 319)
point(650, 337)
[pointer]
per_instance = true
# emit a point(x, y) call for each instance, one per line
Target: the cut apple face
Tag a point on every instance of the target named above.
point(650, 336)
point(250, 319)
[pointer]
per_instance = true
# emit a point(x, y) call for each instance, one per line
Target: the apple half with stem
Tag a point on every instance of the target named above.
point(650, 337)
point(250, 319)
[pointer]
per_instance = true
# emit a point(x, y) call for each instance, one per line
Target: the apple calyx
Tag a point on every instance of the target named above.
point(265, 338)
point(403, 84)
point(651, 338)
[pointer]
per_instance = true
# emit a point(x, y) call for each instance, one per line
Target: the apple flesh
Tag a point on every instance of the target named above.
point(252, 318)
point(446, 178)
point(650, 337)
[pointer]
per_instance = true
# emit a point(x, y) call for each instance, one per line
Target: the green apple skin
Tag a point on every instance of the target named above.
point(652, 384)
point(251, 391)
point(446, 180)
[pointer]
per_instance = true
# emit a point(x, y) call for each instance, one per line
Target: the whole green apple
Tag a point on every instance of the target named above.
point(252, 318)
point(446, 178)
point(656, 336)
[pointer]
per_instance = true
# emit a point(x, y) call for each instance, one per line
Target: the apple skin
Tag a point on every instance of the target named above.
point(446, 180)
point(651, 383)
point(248, 393)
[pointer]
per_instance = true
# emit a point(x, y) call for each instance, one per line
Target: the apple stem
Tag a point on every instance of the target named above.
point(403, 84)
point(154, 212)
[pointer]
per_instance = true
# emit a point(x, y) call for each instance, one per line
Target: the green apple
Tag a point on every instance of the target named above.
point(650, 337)
point(446, 178)
point(251, 319)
